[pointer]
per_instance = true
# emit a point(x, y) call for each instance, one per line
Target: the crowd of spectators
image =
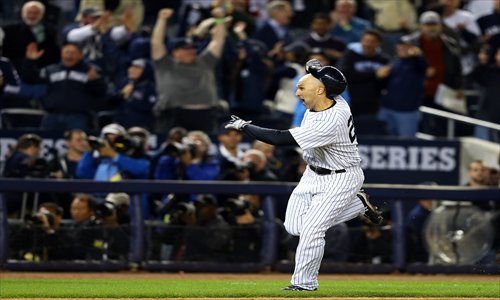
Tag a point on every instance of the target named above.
point(178, 68)
point(162, 64)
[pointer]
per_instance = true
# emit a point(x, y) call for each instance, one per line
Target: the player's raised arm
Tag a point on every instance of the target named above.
point(158, 48)
point(267, 135)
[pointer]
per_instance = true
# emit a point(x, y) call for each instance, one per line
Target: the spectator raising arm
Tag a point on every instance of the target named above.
point(158, 49)
point(218, 33)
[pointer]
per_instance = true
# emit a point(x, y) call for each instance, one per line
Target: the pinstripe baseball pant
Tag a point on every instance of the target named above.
point(316, 204)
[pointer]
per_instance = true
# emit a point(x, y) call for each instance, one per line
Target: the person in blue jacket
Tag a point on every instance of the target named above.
point(111, 165)
point(404, 92)
point(136, 96)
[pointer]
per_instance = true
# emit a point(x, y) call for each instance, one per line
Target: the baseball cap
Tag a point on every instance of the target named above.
point(183, 43)
point(91, 12)
point(140, 62)
point(113, 128)
point(118, 199)
point(429, 17)
point(298, 47)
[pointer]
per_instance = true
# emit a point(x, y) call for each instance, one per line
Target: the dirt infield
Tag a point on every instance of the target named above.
point(233, 276)
point(322, 298)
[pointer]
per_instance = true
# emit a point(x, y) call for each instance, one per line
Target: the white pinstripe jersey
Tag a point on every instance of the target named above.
point(328, 138)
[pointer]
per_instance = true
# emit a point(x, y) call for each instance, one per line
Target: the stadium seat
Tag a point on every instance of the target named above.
point(17, 118)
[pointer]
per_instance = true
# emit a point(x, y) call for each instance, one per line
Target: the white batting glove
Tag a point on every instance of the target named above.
point(237, 123)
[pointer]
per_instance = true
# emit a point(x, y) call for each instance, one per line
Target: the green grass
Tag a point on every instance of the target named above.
point(99, 288)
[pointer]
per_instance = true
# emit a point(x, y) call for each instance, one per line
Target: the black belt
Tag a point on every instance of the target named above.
point(323, 171)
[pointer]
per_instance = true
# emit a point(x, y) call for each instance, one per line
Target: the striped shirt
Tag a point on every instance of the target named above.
point(328, 138)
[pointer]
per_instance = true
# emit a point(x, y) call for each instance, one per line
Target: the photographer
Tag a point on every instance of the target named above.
point(24, 162)
point(40, 237)
point(209, 239)
point(83, 233)
point(245, 216)
point(188, 160)
point(113, 214)
point(114, 161)
point(257, 161)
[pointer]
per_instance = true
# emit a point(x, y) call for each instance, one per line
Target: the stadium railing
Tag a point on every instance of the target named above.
point(453, 117)
point(395, 194)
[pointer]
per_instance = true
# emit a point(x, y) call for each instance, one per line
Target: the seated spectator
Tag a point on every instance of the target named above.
point(136, 98)
point(72, 76)
point(477, 174)
point(320, 39)
point(404, 92)
point(64, 166)
point(345, 25)
point(230, 155)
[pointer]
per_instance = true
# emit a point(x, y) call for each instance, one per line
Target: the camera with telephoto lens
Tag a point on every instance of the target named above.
point(245, 165)
point(127, 145)
point(176, 207)
point(178, 149)
point(104, 209)
point(236, 207)
point(36, 218)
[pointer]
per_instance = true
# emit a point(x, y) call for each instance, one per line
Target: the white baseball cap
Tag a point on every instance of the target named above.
point(113, 128)
point(118, 199)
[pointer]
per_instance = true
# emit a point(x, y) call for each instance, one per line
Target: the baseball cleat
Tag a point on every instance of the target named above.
point(296, 288)
point(371, 211)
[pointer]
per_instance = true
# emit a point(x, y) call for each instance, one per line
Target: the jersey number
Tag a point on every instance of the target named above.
point(352, 135)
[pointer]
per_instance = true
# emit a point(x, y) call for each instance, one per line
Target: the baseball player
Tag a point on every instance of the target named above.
point(329, 191)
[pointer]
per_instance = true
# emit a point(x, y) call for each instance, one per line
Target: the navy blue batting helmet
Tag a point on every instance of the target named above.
point(334, 81)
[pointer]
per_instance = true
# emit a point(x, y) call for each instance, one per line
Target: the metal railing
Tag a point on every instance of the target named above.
point(452, 118)
point(395, 194)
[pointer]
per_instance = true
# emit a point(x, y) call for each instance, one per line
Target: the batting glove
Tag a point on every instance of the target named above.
point(237, 123)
